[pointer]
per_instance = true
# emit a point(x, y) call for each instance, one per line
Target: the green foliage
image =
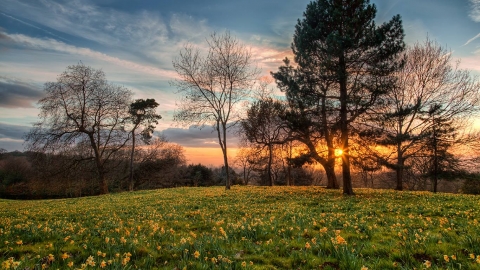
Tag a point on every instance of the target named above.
point(142, 113)
point(245, 228)
point(200, 175)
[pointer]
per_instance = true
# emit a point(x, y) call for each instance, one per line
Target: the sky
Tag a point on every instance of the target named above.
point(134, 43)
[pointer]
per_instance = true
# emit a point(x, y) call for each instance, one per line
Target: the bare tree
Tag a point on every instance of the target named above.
point(245, 159)
point(82, 107)
point(264, 127)
point(212, 86)
point(428, 79)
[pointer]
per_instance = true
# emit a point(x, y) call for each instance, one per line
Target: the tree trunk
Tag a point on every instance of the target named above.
point(245, 175)
point(400, 167)
point(225, 157)
point(131, 182)
point(332, 182)
point(269, 165)
point(435, 158)
point(347, 178)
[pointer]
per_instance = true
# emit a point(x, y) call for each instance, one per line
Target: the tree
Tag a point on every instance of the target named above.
point(82, 107)
point(308, 120)
point(212, 86)
point(246, 159)
point(345, 62)
point(427, 80)
point(142, 113)
point(440, 139)
point(263, 126)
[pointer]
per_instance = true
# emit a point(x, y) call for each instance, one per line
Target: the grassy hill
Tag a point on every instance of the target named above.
point(245, 228)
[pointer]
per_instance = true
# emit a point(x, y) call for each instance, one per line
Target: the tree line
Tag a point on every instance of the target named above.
point(354, 96)
point(354, 88)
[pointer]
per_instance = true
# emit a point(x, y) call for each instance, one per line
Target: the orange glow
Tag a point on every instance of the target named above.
point(338, 152)
point(209, 156)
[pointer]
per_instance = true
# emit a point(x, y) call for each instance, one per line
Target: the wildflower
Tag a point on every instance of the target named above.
point(427, 264)
point(15, 265)
point(196, 254)
point(446, 258)
point(395, 264)
point(454, 257)
point(340, 240)
point(70, 264)
point(90, 261)
point(307, 245)
point(19, 242)
point(364, 268)
point(251, 263)
point(244, 264)
point(6, 265)
point(103, 264)
point(107, 239)
point(65, 256)
point(472, 256)
point(51, 258)
point(478, 258)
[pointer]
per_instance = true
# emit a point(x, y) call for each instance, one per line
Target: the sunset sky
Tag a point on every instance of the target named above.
point(134, 43)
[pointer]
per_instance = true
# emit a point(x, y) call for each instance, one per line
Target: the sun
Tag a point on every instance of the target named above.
point(338, 152)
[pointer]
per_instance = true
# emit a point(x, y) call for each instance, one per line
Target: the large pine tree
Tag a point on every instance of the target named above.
point(345, 63)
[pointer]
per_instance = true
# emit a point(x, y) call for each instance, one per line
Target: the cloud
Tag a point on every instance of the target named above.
point(9, 132)
point(472, 39)
point(31, 25)
point(18, 94)
point(194, 137)
point(102, 25)
point(55, 45)
point(474, 10)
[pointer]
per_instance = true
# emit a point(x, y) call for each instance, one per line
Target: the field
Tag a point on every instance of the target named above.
point(245, 228)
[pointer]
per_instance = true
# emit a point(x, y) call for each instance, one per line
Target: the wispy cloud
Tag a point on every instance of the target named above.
point(31, 25)
point(472, 39)
point(475, 10)
point(55, 45)
point(102, 25)
point(13, 132)
point(15, 93)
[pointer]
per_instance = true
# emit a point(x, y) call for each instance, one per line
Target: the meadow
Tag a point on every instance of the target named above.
point(244, 228)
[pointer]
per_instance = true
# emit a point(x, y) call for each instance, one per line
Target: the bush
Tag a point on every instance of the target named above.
point(472, 185)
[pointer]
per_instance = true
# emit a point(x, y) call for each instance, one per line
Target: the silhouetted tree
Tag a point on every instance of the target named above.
point(82, 107)
point(345, 62)
point(427, 79)
point(142, 114)
point(212, 86)
point(264, 127)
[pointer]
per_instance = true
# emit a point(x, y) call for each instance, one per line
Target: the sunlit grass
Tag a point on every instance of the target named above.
point(245, 228)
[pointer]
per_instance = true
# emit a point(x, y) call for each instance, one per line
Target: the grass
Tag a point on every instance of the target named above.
point(245, 228)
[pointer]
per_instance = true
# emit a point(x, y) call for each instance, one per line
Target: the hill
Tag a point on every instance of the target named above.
point(245, 228)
